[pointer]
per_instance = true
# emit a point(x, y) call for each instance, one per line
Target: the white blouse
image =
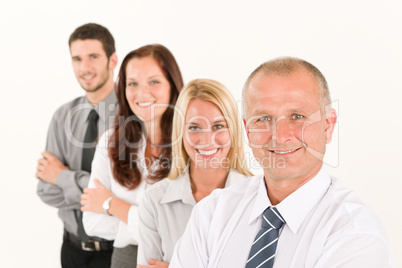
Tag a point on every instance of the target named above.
point(110, 227)
point(163, 214)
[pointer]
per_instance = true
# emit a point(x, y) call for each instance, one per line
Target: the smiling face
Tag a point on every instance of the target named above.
point(91, 66)
point(206, 136)
point(147, 89)
point(285, 124)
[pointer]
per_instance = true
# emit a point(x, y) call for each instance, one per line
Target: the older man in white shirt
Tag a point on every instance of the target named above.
point(289, 120)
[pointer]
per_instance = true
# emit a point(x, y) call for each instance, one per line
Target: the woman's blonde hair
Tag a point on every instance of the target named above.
point(218, 94)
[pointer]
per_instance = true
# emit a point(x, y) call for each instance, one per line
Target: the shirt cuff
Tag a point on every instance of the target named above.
point(133, 222)
point(66, 181)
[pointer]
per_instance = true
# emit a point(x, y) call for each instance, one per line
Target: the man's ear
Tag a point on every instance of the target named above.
point(113, 61)
point(330, 121)
point(245, 127)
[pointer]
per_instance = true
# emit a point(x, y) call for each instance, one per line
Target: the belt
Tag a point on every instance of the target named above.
point(93, 244)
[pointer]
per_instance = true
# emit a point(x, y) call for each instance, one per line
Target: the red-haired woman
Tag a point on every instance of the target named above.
point(136, 151)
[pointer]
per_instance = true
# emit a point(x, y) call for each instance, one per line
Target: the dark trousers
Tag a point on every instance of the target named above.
point(74, 257)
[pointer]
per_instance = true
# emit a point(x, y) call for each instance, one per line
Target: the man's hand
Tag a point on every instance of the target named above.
point(92, 199)
point(49, 168)
point(154, 264)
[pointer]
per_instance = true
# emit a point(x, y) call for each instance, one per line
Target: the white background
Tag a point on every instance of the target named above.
point(356, 44)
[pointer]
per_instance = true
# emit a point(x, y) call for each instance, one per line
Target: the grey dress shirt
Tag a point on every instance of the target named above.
point(163, 213)
point(65, 141)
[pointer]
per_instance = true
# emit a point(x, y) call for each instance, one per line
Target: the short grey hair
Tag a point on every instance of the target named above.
point(285, 66)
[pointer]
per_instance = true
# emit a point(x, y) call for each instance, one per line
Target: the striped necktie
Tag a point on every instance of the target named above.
point(262, 251)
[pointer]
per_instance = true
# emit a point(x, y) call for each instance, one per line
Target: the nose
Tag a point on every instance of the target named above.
point(200, 139)
point(144, 88)
point(204, 138)
point(85, 65)
point(281, 131)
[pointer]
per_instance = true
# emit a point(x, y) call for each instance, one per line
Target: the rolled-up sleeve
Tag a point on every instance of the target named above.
point(69, 184)
point(150, 244)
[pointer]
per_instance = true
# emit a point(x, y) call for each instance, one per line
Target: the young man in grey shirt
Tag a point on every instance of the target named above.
point(65, 166)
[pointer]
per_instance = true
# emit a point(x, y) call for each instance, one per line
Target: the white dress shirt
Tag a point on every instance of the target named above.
point(326, 226)
point(164, 212)
point(110, 227)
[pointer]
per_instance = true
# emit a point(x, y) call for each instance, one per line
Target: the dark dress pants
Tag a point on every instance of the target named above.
point(74, 257)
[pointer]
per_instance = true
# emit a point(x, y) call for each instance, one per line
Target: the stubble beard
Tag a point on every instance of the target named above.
point(101, 83)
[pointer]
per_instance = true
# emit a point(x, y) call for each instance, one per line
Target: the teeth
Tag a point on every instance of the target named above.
point(284, 152)
point(207, 152)
point(144, 104)
point(88, 77)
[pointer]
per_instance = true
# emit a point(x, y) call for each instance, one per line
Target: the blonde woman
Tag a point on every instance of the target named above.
point(207, 154)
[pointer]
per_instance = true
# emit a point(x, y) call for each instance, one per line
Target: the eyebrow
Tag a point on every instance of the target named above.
point(89, 55)
point(219, 121)
point(214, 122)
point(155, 76)
point(191, 123)
point(259, 112)
point(296, 111)
point(288, 111)
point(151, 77)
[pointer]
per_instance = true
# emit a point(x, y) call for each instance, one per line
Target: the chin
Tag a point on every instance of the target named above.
point(90, 90)
point(277, 172)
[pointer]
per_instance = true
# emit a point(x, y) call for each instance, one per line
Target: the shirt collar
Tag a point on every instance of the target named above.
point(179, 189)
point(261, 201)
point(106, 108)
point(294, 208)
point(299, 204)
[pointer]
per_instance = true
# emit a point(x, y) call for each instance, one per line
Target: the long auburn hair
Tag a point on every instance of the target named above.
point(128, 128)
